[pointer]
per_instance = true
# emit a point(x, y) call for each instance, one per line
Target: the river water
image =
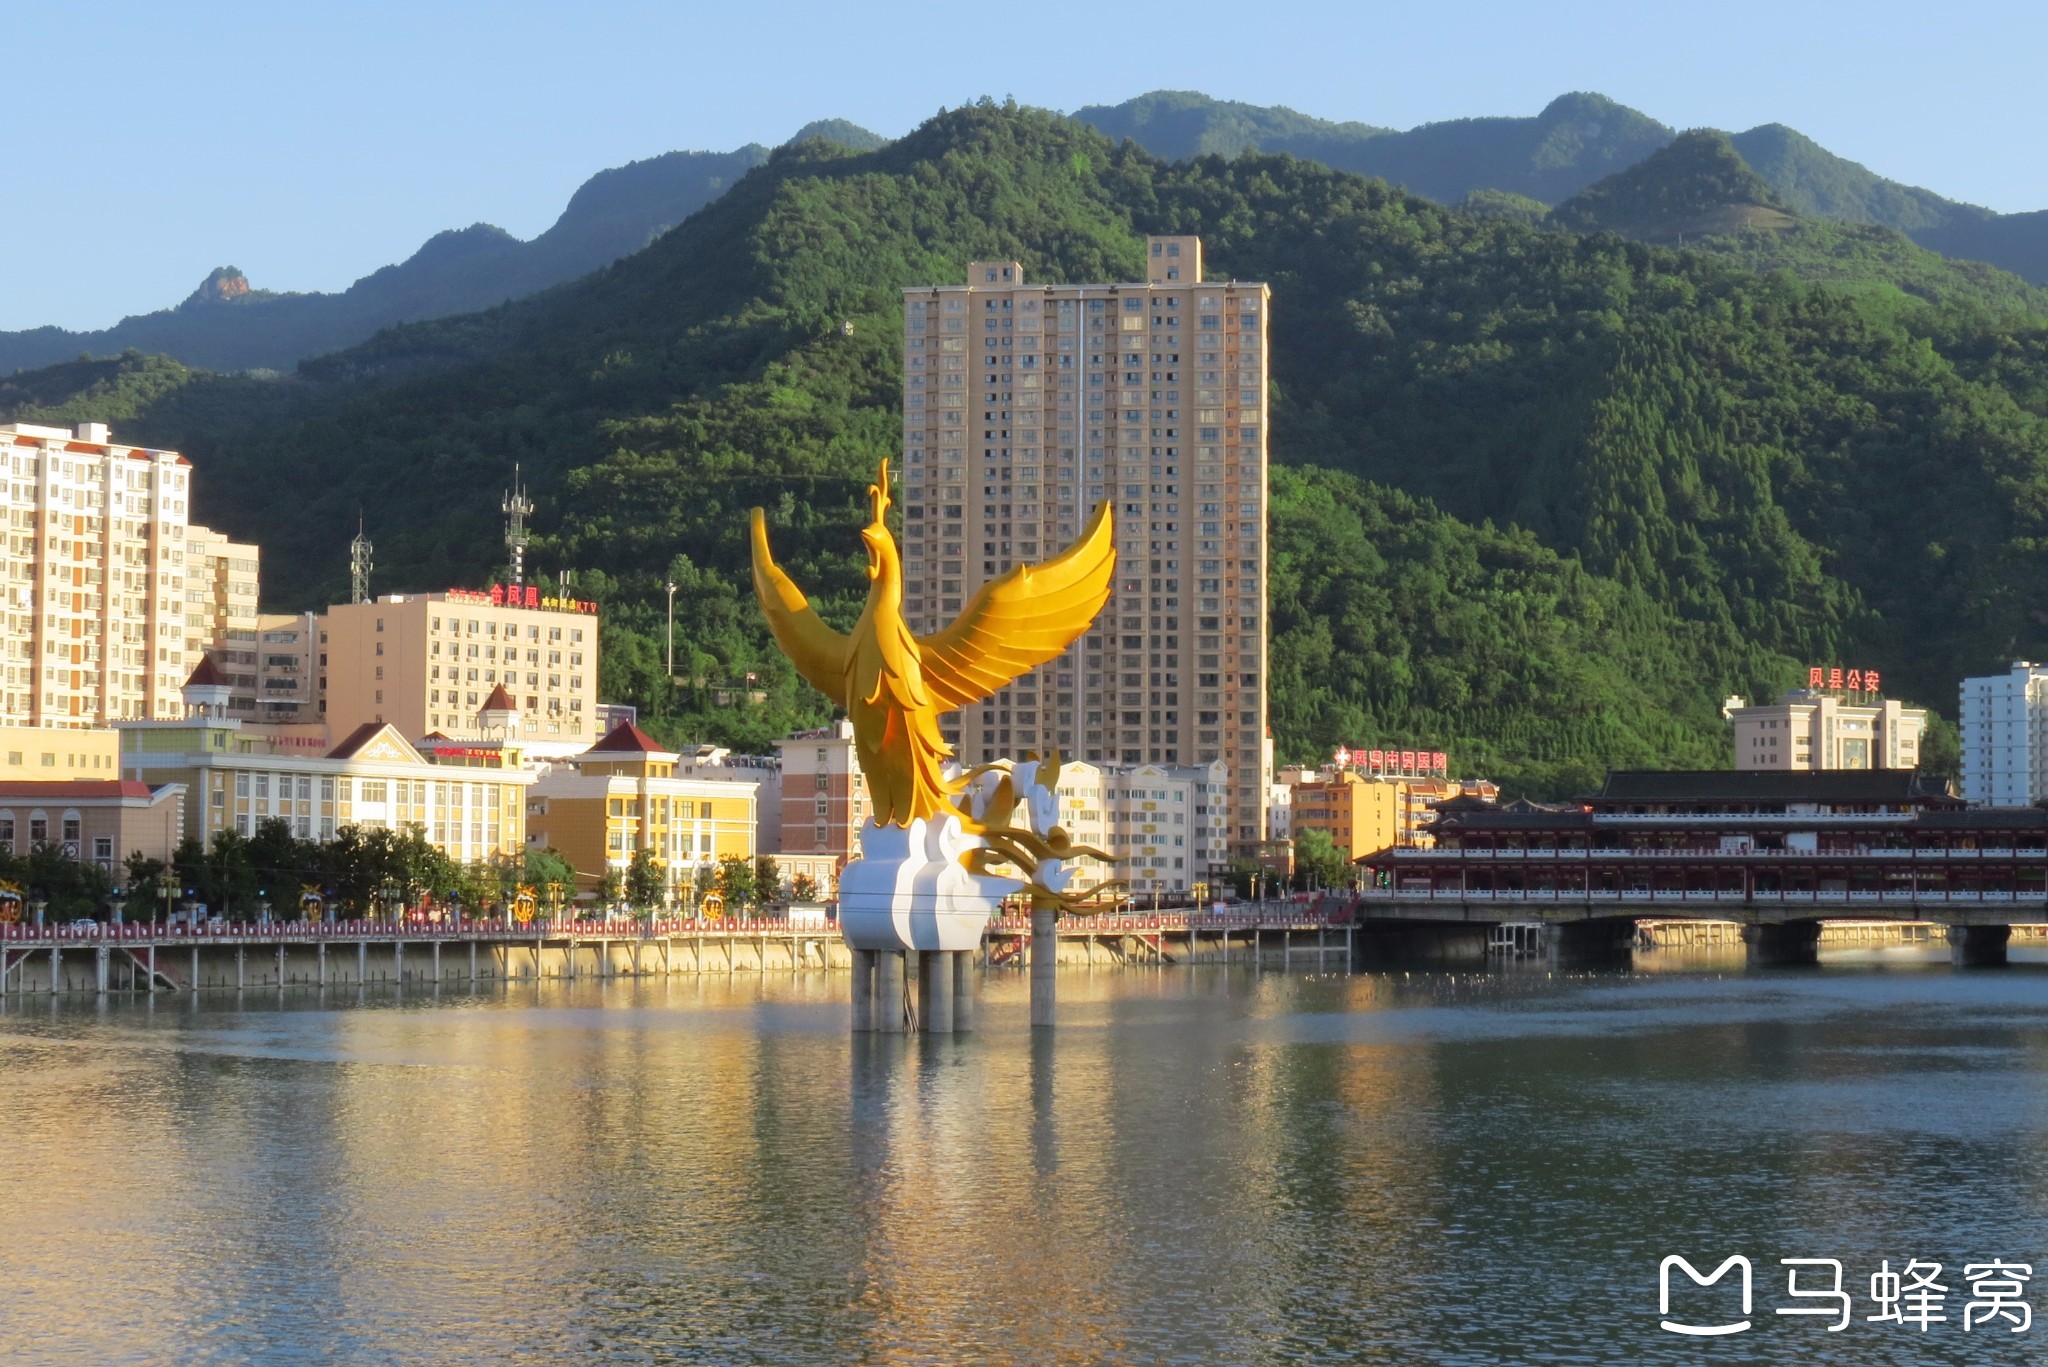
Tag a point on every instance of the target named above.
point(1203, 1166)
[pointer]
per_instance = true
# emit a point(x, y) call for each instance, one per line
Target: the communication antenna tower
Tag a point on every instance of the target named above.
point(517, 507)
point(359, 565)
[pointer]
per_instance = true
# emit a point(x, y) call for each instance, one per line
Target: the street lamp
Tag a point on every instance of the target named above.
point(671, 633)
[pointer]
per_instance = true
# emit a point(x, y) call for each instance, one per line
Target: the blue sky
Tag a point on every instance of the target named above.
point(143, 144)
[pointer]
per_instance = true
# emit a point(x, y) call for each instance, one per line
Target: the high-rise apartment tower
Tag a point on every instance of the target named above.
point(108, 592)
point(1025, 406)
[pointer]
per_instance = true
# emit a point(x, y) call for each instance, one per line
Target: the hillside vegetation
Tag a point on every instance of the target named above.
point(1549, 496)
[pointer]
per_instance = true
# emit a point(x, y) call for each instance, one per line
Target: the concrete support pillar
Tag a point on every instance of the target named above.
point(362, 962)
point(935, 992)
point(1978, 946)
point(56, 970)
point(1795, 944)
point(398, 961)
point(280, 963)
point(99, 970)
point(863, 990)
point(1045, 955)
point(437, 963)
point(889, 991)
point(241, 967)
point(320, 964)
point(194, 981)
point(472, 963)
point(966, 984)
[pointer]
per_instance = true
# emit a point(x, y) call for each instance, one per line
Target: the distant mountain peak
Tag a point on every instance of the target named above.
point(847, 134)
point(222, 285)
point(1698, 186)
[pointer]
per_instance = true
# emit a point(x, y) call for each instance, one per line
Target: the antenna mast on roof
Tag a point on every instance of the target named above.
point(517, 508)
point(359, 565)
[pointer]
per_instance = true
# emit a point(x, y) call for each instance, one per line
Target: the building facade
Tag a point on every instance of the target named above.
point(1366, 812)
point(1163, 827)
point(41, 753)
point(1025, 406)
point(2005, 736)
point(97, 821)
point(471, 805)
point(271, 666)
point(824, 804)
point(427, 662)
point(108, 592)
point(623, 795)
point(1821, 728)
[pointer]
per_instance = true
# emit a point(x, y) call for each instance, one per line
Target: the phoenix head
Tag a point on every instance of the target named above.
point(881, 546)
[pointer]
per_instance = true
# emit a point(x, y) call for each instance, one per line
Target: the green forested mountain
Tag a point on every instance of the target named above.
point(1697, 186)
point(1576, 140)
point(1549, 496)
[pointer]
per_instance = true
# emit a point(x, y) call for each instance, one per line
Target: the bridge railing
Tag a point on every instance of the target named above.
point(424, 932)
point(1923, 897)
point(1440, 857)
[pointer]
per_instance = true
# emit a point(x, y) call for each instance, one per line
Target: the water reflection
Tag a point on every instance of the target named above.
point(1202, 1166)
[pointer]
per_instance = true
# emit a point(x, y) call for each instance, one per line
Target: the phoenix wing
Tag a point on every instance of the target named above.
point(1021, 620)
point(818, 652)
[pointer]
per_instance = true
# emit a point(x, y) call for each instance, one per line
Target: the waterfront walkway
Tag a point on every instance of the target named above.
point(144, 955)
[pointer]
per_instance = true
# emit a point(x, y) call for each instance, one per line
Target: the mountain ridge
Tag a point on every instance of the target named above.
point(1542, 495)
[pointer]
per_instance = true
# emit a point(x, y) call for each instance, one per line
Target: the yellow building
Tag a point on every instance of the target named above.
point(470, 805)
point(428, 662)
point(108, 592)
point(621, 796)
point(1364, 813)
point(41, 753)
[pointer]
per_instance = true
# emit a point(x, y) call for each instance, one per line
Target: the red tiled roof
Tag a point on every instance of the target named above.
point(207, 675)
point(628, 739)
point(500, 701)
point(78, 789)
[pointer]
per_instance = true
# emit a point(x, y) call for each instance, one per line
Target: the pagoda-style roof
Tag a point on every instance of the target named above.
point(207, 675)
point(499, 701)
point(628, 739)
point(1827, 787)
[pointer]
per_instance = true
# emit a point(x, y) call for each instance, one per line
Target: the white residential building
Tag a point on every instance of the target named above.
point(2005, 736)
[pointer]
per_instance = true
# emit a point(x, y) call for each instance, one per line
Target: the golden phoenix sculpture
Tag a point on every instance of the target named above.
point(895, 685)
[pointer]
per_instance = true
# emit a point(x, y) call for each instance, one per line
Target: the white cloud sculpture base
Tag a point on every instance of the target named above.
point(908, 890)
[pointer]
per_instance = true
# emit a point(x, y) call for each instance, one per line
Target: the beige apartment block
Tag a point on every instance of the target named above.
point(1811, 728)
point(222, 579)
point(1025, 406)
point(824, 804)
point(428, 662)
point(46, 752)
point(108, 593)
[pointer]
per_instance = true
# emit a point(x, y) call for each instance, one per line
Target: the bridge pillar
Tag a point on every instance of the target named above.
point(966, 982)
point(1794, 944)
point(1590, 942)
point(99, 970)
point(1978, 946)
point(1045, 960)
point(935, 991)
point(863, 990)
point(889, 991)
